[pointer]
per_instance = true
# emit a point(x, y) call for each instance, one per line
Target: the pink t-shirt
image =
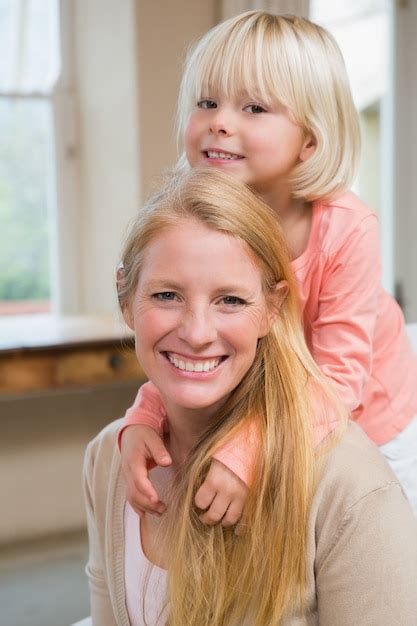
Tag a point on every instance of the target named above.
point(353, 327)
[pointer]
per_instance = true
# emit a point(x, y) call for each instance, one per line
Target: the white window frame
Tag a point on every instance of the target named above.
point(65, 292)
point(64, 183)
point(405, 141)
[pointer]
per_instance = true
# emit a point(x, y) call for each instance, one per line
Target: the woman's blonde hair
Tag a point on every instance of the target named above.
point(216, 578)
point(288, 60)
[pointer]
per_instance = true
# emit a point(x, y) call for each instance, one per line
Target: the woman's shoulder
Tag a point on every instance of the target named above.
point(357, 462)
point(355, 479)
point(102, 452)
point(107, 436)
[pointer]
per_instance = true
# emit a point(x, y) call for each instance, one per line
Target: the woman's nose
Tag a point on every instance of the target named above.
point(197, 328)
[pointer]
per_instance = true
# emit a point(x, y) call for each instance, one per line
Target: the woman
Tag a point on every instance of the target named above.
point(329, 536)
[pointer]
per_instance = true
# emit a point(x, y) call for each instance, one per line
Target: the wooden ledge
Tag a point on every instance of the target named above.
point(45, 352)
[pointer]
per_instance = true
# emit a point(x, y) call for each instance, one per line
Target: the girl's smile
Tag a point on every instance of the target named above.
point(220, 155)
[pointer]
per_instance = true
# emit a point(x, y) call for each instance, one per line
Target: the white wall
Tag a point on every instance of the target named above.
point(106, 85)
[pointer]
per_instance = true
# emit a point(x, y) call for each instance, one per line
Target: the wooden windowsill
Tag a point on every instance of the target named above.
point(28, 332)
point(45, 353)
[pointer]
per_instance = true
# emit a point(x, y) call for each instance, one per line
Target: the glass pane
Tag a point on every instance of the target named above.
point(6, 45)
point(363, 30)
point(328, 11)
point(25, 129)
point(29, 45)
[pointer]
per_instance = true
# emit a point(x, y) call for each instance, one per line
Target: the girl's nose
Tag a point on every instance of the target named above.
point(197, 329)
point(222, 124)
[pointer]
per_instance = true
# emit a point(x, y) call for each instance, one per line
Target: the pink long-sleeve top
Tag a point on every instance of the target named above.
point(353, 327)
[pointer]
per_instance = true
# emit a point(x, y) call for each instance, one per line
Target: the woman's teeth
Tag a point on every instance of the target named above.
point(222, 155)
point(189, 366)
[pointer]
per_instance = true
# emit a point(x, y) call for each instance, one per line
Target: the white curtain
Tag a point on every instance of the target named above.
point(233, 7)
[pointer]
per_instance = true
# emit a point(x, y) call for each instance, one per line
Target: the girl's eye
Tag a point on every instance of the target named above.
point(165, 296)
point(207, 104)
point(233, 301)
point(254, 108)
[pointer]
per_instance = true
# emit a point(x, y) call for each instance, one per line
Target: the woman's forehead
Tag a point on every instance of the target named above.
point(192, 246)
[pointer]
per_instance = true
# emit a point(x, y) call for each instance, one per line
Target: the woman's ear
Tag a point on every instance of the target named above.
point(120, 283)
point(308, 148)
point(275, 300)
point(128, 317)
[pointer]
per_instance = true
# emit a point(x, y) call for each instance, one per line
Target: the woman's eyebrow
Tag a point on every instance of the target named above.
point(162, 283)
point(234, 288)
point(169, 285)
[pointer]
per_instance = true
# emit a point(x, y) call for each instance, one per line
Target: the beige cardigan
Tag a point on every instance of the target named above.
point(362, 566)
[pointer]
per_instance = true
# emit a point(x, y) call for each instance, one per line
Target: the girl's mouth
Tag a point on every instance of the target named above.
point(191, 365)
point(224, 156)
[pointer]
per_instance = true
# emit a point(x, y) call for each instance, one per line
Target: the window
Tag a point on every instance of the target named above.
point(30, 53)
point(363, 30)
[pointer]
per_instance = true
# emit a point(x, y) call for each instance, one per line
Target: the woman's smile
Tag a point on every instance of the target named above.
point(188, 364)
point(198, 312)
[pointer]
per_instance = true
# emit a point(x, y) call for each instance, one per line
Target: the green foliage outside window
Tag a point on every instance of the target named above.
point(24, 247)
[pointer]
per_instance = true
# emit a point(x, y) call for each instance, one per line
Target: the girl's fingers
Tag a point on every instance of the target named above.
point(143, 485)
point(216, 511)
point(204, 496)
point(233, 514)
point(138, 503)
point(157, 451)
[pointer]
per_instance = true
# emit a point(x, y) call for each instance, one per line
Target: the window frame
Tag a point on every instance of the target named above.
point(63, 185)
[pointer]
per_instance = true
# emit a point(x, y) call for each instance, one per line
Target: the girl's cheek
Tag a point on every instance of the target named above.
point(190, 138)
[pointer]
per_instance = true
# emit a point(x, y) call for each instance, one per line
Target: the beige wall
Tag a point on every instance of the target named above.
point(42, 442)
point(108, 152)
point(164, 31)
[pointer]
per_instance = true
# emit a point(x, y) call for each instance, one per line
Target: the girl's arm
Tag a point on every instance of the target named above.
point(147, 410)
point(341, 336)
point(222, 495)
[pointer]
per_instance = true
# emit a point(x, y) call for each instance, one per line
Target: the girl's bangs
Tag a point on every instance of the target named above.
point(240, 64)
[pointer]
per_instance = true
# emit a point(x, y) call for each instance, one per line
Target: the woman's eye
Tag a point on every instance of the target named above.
point(255, 108)
point(165, 296)
point(233, 301)
point(207, 104)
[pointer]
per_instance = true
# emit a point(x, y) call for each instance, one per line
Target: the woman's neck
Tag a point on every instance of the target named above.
point(185, 428)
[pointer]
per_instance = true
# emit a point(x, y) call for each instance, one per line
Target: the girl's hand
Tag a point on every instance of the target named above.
point(141, 449)
point(222, 496)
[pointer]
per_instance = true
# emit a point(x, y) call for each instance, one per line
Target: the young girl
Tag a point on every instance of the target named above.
point(266, 98)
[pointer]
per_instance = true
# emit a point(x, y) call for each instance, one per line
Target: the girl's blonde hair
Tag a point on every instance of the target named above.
point(215, 578)
point(288, 60)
